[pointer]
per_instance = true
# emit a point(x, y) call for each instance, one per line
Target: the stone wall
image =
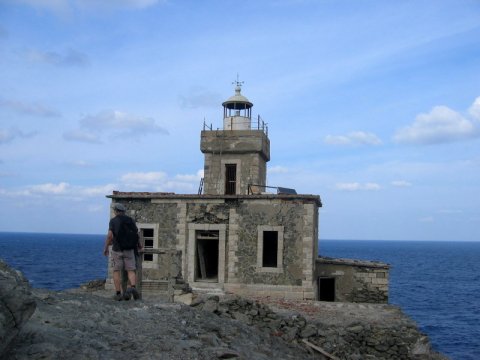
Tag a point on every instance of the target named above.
point(379, 332)
point(249, 150)
point(356, 281)
point(241, 222)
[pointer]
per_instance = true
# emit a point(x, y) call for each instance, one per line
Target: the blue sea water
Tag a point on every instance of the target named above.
point(435, 283)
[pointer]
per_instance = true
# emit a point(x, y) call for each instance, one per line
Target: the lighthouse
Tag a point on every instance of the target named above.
point(236, 156)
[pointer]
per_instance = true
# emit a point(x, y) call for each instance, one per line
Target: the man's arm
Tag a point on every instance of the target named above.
point(108, 242)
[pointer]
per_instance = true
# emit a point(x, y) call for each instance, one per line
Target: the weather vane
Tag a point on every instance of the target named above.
point(238, 82)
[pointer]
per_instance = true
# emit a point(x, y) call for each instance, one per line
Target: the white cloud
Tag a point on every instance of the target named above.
point(427, 219)
point(450, 211)
point(199, 97)
point(160, 181)
point(353, 138)
point(8, 135)
point(28, 108)
point(82, 136)
point(189, 177)
point(139, 180)
point(119, 120)
point(277, 169)
point(49, 188)
point(114, 123)
point(401, 183)
point(136, 4)
point(67, 7)
point(355, 186)
point(440, 125)
point(70, 58)
point(100, 190)
point(474, 110)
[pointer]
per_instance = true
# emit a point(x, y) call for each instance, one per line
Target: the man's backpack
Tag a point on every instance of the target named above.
point(127, 237)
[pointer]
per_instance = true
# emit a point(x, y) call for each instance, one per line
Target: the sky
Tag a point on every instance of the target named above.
point(373, 105)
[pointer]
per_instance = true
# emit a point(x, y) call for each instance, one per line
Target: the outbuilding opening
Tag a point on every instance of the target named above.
point(326, 288)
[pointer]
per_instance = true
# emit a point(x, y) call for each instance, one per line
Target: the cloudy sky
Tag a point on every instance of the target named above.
point(373, 105)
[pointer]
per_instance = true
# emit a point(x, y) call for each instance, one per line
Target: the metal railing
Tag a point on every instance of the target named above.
point(255, 124)
point(258, 189)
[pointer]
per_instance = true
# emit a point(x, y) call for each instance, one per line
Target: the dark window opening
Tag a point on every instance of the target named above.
point(147, 236)
point(147, 257)
point(326, 289)
point(270, 249)
point(206, 264)
point(230, 179)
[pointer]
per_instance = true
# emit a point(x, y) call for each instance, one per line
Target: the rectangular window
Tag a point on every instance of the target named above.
point(270, 249)
point(148, 240)
point(230, 179)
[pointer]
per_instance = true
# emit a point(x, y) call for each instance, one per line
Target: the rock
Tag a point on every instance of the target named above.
point(186, 299)
point(16, 304)
point(308, 331)
point(93, 285)
point(210, 305)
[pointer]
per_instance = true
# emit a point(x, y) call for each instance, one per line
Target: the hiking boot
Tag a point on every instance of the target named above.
point(118, 297)
point(135, 293)
point(127, 295)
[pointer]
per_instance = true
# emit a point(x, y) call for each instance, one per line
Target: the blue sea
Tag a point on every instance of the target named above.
point(435, 283)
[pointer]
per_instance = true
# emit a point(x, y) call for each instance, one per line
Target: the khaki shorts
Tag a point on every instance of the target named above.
point(123, 260)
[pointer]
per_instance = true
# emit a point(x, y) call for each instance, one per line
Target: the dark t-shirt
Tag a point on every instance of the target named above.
point(114, 225)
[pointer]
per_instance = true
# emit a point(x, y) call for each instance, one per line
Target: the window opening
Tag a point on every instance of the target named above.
point(270, 248)
point(230, 179)
point(326, 289)
point(147, 235)
point(206, 264)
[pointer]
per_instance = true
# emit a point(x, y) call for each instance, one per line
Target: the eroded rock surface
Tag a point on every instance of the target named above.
point(89, 325)
point(16, 304)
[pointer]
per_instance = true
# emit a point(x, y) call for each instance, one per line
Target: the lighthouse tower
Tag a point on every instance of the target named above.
point(235, 157)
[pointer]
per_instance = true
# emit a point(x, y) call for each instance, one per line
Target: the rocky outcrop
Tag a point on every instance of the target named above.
point(87, 323)
point(340, 330)
point(16, 304)
point(91, 325)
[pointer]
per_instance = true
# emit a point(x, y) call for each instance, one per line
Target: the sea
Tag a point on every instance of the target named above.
point(436, 283)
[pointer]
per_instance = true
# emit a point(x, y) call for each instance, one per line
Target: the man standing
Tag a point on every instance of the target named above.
point(121, 259)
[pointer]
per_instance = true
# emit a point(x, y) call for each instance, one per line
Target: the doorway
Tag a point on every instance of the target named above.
point(206, 255)
point(326, 288)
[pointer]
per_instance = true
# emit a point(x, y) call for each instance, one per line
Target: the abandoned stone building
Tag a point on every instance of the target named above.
point(238, 235)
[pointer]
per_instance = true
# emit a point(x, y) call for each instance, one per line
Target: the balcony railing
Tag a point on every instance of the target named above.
point(255, 124)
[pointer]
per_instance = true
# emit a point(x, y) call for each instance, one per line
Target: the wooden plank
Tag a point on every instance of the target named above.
point(320, 350)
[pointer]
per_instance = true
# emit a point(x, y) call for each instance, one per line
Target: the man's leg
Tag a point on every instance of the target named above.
point(130, 266)
point(117, 264)
point(117, 281)
point(132, 277)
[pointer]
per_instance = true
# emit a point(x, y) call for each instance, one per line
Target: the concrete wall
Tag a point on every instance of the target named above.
point(356, 281)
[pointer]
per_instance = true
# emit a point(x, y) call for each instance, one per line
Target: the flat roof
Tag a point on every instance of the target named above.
point(168, 195)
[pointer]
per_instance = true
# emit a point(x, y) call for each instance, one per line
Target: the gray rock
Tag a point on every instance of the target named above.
point(16, 304)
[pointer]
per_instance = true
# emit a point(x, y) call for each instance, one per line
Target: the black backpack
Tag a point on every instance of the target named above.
point(127, 237)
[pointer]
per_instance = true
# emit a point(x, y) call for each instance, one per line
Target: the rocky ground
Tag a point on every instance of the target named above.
point(87, 323)
point(93, 326)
